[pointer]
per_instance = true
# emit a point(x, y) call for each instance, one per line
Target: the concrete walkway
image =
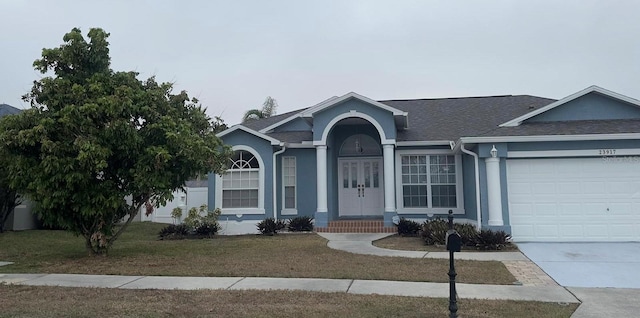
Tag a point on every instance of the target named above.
point(349, 286)
point(361, 244)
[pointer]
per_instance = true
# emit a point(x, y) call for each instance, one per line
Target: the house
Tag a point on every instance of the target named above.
point(541, 169)
point(22, 218)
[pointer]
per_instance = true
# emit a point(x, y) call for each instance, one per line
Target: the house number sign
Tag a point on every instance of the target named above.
point(606, 152)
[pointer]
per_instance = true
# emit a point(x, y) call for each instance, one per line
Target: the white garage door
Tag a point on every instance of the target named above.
point(574, 199)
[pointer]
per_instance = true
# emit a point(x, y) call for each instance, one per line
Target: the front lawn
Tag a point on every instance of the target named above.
point(139, 252)
point(30, 301)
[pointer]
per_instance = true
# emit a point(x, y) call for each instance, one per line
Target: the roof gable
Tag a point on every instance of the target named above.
point(272, 140)
point(592, 103)
point(334, 101)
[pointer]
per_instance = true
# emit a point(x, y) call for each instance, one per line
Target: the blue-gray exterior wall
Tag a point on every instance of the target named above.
point(305, 181)
point(265, 150)
point(469, 186)
point(383, 117)
point(592, 106)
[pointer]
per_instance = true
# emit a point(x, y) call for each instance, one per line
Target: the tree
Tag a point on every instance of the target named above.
point(9, 198)
point(97, 144)
point(268, 109)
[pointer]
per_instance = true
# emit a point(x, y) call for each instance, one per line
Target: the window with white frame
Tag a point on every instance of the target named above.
point(241, 182)
point(429, 181)
point(289, 182)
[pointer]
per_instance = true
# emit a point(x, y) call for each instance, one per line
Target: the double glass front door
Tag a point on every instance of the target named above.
point(360, 187)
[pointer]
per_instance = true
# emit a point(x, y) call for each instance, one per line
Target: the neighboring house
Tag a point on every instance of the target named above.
point(541, 169)
point(21, 218)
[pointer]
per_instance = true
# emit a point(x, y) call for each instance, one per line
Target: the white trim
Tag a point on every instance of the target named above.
point(334, 101)
point(389, 187)
point(302, 145)
point(477, 183)
point(590, 89)
point(292, 117)
point(474, 140)
point(350, 114)
point(400, 209)
point(321, 178)
point(273, 141)
point(424, 143)
point(240, 211)
point(494, 195)
point(294, 210)
point(574, 153)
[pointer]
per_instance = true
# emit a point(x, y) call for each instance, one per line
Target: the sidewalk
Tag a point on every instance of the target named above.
point(350, 286)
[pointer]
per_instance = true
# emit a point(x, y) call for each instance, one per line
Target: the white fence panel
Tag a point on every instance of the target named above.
point(193, 198)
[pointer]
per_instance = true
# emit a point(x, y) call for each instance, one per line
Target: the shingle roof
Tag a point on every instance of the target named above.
point(576, 127)
point(8, 110)
point(452, 118)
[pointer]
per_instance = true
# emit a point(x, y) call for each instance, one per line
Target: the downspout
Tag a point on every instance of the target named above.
point(275, 184)
point(477, 174)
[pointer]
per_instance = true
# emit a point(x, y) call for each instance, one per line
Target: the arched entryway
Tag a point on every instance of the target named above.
point(360, 177)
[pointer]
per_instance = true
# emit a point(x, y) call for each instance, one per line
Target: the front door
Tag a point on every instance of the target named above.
point(360, 187)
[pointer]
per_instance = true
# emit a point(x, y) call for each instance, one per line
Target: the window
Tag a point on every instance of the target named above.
point(289, 182)
point(429, 181)
point(240, 185)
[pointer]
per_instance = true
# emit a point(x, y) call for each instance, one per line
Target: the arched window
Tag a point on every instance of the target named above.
point(360, 145)
point(241, 182)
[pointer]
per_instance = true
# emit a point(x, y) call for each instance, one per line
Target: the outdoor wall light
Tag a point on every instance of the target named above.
point(494, 152)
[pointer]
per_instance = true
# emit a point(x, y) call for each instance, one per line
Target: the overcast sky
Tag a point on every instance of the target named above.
point(232, 54)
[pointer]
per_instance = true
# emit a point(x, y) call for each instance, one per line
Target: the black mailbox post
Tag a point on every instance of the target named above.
point(454, 244)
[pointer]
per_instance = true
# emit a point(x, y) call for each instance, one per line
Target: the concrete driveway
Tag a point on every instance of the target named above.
point(588, 264)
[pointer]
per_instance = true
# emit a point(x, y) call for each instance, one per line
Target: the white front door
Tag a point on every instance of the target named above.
point(360, 187)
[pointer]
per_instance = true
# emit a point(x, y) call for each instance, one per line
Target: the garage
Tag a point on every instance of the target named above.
point(574, 199)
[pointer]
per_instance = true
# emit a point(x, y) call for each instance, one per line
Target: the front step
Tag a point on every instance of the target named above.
point(356, 226)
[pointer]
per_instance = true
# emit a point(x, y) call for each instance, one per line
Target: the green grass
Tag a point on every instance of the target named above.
point(139, 252)
point(30, 301)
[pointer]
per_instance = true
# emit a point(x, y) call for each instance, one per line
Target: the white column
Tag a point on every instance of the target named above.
point(389, 179)
point(494, 191)
point(321, 179)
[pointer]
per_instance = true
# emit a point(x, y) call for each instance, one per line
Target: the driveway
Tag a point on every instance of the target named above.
point(588, 264)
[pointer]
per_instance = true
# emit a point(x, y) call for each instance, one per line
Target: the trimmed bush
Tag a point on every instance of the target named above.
point(408, 227)
point(434, 231)
point(174, 232)
point(270, 226)
point(207, 229)
point(492, 240)
point(300, 224)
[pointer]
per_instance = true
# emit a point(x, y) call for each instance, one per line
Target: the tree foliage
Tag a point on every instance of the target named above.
point(268, 109)
point(9, 198)
point(97, 144)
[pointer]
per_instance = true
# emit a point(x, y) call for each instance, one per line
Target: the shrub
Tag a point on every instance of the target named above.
point(434, 231)
point(492, 240)
point(270, 226)
point(176, 214)
point(468, 233)
point(195, 225)
point(174, 232)
point(207, 229)
point(300, 224)
point(408, 227)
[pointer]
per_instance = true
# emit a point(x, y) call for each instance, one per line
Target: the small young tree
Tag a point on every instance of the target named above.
point(98, 144)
